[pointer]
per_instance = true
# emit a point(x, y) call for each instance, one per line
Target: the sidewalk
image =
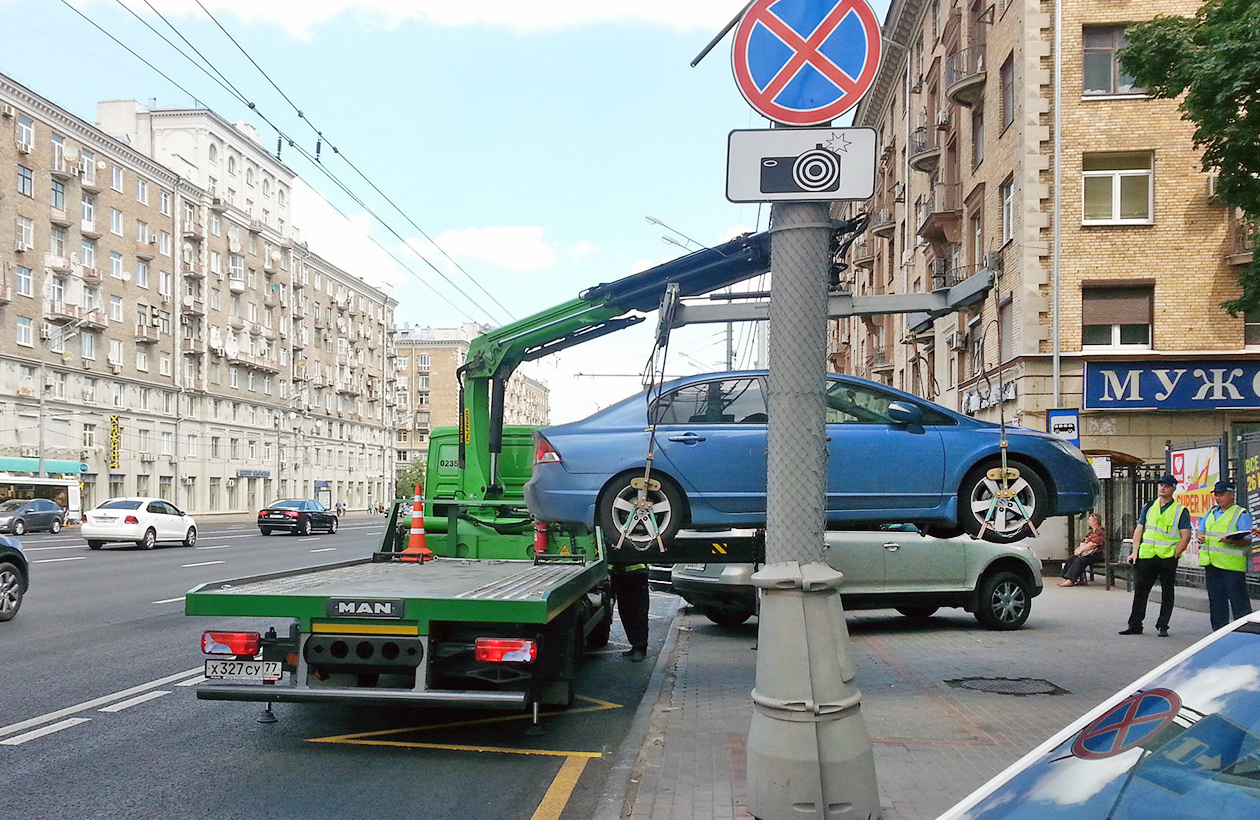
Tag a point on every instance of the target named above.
point(937, 733)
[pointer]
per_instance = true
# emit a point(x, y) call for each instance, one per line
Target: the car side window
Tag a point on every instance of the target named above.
point(849, 403)
point(156, 507)
point(726, 401)
point(169, 509)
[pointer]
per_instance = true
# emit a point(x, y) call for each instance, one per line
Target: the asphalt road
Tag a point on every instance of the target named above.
point(98, 716)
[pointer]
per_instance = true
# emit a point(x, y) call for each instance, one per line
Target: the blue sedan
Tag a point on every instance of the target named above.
point(891, 457)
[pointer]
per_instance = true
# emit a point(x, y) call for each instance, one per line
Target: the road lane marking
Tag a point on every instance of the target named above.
point(561, 789)
point(193, 681)
point(95, 702)
point(325, 549)
point(18, 740)
point(169, 600)
point(202, 564)
point(78, 546)
point(55, 560)
point(215, 547)
point(136, 701)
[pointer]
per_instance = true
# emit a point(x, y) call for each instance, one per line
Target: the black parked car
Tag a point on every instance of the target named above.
point(14, 577)
point(297, 515)
point(22, 515)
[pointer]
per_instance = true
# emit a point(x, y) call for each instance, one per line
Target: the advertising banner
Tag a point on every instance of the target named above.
point(1196, 470)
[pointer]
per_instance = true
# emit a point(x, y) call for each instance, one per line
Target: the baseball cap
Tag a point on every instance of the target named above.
point(1223, 487)
point(1167, 478)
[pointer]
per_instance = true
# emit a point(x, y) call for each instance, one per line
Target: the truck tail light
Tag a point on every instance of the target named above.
point(544, 453)
point(131, 519)
point(230, 643)
point(506, 650)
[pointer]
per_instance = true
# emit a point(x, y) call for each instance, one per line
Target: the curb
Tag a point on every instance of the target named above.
point(630, 753)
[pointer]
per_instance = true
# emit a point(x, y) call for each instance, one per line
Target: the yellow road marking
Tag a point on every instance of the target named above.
point(364, 629)
point(456, 747)
point(560, 790)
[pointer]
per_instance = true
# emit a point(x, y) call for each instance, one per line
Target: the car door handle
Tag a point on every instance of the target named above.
point(891, 547)
point(687, 438)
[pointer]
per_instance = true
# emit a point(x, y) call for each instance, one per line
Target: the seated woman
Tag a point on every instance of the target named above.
point(1087, 552)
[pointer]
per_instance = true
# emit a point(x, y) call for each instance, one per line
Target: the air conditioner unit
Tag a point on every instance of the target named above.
point(186, 478)
point(992, 261)
point(944, 118)
point(21, 246)
point(115, 367)
point(230, 482)
point(148, 458)
point(7, 111)
point(30, 452)
point(166, 298)
point(1211, 189)
point(956, 341)
point(24, 147)
point(899, 192)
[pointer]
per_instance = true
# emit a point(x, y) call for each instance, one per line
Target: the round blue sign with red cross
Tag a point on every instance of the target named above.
point(1129, 723)
point(806, 62)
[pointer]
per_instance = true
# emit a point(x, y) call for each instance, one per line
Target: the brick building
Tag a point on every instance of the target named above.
point(1089, 207)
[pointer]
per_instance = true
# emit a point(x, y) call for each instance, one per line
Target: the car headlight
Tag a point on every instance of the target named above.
point(5, 519)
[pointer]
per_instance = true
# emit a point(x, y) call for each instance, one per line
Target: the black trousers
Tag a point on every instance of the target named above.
point(1145, 572)
point(630, 589)
point(1075, 568)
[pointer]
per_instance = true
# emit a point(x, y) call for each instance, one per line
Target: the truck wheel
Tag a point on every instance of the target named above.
point(56, 526)
point(190, 538)
point(726, 617)
point(617, 513)
point(918, 611)
point(1003, 601)
point(149, 541)
point(1010, 522)
point(11, 590)
point(598, 638)
point(93, 544)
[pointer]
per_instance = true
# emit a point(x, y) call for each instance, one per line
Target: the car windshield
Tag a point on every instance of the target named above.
point(287, 505)
point(12, 504)
point(121, 504)
point(1186, 746)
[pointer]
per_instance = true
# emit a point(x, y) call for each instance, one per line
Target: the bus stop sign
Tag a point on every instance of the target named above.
point(806, 62)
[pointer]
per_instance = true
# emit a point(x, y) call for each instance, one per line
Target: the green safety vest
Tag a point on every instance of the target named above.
point(1159, 531)
point(1215, 552)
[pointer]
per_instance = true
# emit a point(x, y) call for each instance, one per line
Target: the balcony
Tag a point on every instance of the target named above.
point(236, 322)
point(192, 270)
point(298, 310)
point(60, 264)
point(879, 360)
point(87, 178)
point(300, 375)
point(63, 169)
point(939, 217)
point(59, 217)
point(146, 250)
point(299, 341)
point(863, 254)
point(349, 388)
point(924, 154)
point(965, 76)
point(944, 276)
point(59, 311)
point(236, 284)
point(321, 324)
point(218, 204)
point(272, 299)
point(93, 319)
point(883, 222)
point(88, 228)
point(193, 347)
point(298, 282)
point(255, 226)
point(193, 307)
point(91, 276)
point(271, 266)
point(146, 335)
point(6, 294)
point(191, 231)
point(198, 384)
point(269, 334)
point(1244, 236)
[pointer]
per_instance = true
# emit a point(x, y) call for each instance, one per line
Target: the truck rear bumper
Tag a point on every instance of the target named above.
point(432, 697)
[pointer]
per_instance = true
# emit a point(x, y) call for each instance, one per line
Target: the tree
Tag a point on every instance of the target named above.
point(406, 479)
point(1214, 59)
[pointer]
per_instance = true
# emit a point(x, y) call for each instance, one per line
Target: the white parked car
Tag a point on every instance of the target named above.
point(143, 521)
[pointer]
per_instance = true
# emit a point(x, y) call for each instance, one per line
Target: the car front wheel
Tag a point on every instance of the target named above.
point(1003, 601)
point(93, 544)
point(640, 520)
point(1003, 506)
point(56, 526)
point(332, 526)
point(303, 527)
point(149, 541)
point(10, 591)
point(19, 527)
point(190, 538)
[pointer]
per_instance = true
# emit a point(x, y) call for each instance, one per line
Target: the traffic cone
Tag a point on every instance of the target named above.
point(416, 550)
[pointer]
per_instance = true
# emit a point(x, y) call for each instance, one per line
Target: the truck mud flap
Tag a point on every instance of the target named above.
point(431, 697)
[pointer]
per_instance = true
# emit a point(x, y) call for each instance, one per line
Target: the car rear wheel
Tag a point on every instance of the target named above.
point(1003, 601)
point(93, 544)
point(266, 530)
point(19, 527)
point(918, 611)
point(190, 538)
point(55, 527)
point(1008, 506)
point(149, 541)
point(332, 526)
point(303, 527)
point(11, 591)
point(726, 617)
point(622, 511)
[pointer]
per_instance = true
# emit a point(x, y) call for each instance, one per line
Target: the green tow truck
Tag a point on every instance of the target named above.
point(499, 615)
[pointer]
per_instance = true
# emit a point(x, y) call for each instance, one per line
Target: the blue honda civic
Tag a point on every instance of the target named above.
point(891, 457)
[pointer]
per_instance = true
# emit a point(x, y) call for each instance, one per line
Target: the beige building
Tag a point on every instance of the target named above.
point(1108, 253)
point(191, 346)
point(427, 390)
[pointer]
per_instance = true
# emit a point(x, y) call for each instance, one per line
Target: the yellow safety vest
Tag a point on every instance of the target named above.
point(1159, 531)
point(1215, 552)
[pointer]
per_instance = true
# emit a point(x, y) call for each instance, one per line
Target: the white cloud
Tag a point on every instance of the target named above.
point(514, 248)
point(343, 240)
point(299, 18)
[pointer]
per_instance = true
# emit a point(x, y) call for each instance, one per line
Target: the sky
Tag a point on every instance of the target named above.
point(529, 141)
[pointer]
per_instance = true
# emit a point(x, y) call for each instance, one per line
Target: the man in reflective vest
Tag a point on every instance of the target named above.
point(1159, 539)
point(1227, 533)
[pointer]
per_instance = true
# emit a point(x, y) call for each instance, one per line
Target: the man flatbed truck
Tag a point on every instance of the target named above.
point(499, 616)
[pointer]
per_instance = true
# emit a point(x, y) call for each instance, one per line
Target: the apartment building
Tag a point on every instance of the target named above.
point(165, 325)
point(427, 390)
point(1083, 198)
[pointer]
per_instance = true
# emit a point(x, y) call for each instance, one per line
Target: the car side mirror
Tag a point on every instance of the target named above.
point(905, 413)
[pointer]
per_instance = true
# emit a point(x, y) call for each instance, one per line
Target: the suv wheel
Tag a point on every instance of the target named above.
point(11, 589)
point(1003, 601)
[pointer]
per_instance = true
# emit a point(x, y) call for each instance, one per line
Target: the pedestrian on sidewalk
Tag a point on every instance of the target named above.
point(630, 590)
point(1087, 552)
point(1159, 539)
point(1226, 531)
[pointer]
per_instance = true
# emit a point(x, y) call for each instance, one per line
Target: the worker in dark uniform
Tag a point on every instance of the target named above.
point(630, 590)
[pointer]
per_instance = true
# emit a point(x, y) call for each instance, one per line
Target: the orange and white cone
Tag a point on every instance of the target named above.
point(416, 549)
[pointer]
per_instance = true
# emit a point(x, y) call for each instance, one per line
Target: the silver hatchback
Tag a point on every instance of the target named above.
point(892, 566)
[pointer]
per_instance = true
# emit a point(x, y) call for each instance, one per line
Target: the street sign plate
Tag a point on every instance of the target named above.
point(801, 164)
point(806, 62)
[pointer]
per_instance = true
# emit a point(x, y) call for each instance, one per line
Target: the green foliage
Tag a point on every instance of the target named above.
point(408, 477)
point(1214, 60)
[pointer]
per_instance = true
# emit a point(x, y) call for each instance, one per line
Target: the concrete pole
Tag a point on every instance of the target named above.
point(809, 754)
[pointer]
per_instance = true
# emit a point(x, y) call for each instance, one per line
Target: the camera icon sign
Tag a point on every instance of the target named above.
point(816, 170)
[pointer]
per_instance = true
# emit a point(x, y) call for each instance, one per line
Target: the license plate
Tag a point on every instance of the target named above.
point(107, 519)
point(243, 670)
point(695, 567)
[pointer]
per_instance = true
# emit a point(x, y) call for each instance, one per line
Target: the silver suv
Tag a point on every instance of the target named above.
point(892, 566)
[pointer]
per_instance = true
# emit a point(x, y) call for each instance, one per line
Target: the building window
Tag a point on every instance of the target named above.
point(142, 274)
point(116, 178)
point(57, 241)
point(115, 265)
point(24, 285)
point(115, 308)
point(977, 135)
point(1007, 193)
point(25, 132)
point(115, 221)
point(164, 203)
point(26, 232)
point(87, 340)
point(58, 195)
point(1008, 92)
point(24, 336)
point(1118, 188)
point(87, 253)
point(1101, 46)
point(88, 211)
point(1116, 315)
point(142, 191)
point(26, 181)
